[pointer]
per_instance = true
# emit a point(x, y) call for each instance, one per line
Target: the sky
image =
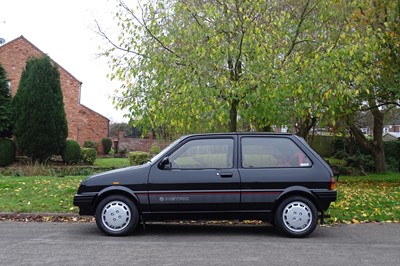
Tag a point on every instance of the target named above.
point(65, 30)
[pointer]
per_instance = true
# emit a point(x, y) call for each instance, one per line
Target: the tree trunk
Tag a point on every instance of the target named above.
point(375, 147)
point(303, 127)
point(379, 159)
point(378, 149)
point(233, 116)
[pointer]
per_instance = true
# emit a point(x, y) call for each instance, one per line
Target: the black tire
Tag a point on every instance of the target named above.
point(117, 215)
point(296, 216)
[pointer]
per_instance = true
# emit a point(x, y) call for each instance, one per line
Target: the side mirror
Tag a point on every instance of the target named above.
point(165, 164)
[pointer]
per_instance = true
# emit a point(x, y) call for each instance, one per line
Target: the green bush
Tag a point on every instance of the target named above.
point(155, 149)
point(107, 144)
point(138, 157)
point(392, 155)
point(90, 144)
point(339, 147)
point(71, 153)
point(89, 155)
point(122, 152)
point(7, 152)
point(361, 161)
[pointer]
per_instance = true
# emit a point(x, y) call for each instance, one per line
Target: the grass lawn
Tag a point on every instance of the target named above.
point(361, 199)
point(38, 194)
point(367, 199)
point(111, 162)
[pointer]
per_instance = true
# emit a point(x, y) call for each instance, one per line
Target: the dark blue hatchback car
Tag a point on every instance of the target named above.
point(276, 178)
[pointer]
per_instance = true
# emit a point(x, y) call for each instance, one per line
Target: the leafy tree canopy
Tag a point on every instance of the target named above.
point(190, 65)
point(377, 26)
point(205, 65)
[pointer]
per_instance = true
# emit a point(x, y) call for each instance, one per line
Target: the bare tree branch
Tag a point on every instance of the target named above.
point(105, 36)
point(145, 26)
point(303, 16)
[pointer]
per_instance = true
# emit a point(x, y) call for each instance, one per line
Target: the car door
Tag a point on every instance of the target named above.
point(268, 165)
point(198, 175)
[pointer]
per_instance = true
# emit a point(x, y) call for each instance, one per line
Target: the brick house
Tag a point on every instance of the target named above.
point(83, 123)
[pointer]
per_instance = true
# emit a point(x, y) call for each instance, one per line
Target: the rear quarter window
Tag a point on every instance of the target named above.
point(272, 152)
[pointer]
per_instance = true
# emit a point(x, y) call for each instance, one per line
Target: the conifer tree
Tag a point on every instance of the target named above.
point(6, 113)
point(40, 125)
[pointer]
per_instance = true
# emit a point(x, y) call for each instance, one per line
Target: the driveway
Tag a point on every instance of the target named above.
point(173, 244)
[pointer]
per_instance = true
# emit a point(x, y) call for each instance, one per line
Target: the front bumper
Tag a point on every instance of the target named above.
point(85, 202)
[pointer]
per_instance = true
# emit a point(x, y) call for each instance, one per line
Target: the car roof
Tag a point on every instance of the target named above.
point(239, 134)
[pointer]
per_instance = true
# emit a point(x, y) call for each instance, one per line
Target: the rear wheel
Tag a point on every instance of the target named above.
point(117, 215)
point(296, 216)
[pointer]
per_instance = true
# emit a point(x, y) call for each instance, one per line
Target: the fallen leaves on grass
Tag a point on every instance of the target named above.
point(366, 201)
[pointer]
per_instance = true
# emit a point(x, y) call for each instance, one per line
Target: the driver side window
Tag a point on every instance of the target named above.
point(203, 153)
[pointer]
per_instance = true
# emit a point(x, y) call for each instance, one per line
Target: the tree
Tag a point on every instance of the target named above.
point(115, 127)
point(40, 125)
point(6, 111)
point(192, 65)
point(379, 45)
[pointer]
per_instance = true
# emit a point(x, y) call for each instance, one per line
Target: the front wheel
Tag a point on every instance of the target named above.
point(296, 216)
point(117, 215)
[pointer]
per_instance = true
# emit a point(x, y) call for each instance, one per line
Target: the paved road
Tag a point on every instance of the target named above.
point(169, 244)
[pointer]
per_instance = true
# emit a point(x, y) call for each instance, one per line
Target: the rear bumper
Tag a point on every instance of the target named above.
point(85, 202)
point(325, 198)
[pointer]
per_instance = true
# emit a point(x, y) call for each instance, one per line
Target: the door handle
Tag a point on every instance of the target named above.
point(225, 175)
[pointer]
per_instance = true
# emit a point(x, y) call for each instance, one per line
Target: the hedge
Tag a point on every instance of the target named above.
point(138, 157)
point(89, 155)
point(7, 152)
point(392, 155)
point(72, 152)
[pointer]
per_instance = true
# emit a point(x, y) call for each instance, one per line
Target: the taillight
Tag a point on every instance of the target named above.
point(332, 187)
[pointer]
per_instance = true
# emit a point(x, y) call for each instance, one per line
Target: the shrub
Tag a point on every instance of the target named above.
point(339, 147)
point(138, 157)
point(107, 144)
point(361, 161)
point(71, 153)
point(340, 154)
point(122, 152)
point(7, 152)
point(90, 144)
point(155, 149)
point(392, 155)
point(343, 170)
point(112, 152)
point(89, 155)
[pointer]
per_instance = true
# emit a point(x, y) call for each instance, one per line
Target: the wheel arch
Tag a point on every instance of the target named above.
point(296, 191)
point(117, 190)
